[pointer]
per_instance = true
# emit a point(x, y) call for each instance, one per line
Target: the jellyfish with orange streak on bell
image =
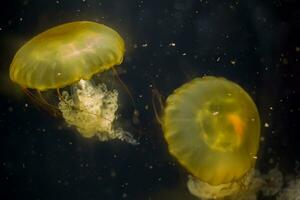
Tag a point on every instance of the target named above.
point(212, 127)
point(68, 56)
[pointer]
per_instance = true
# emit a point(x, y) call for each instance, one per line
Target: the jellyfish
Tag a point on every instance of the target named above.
point(66, 58)
point(212, 127)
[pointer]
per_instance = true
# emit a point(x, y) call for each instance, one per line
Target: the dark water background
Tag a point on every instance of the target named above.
point(254, 43)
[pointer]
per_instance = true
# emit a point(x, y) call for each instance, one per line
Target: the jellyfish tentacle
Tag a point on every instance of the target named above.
point(135, 112)
point(41, 102)
point(74, 106)
point(125, 87)
point(45, 101)
point(32, 97)
point(156, 96)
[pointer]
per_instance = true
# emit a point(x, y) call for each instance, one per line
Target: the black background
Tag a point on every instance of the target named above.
point(254, 43)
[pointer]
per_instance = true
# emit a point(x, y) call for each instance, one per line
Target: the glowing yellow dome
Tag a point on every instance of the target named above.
point(212, 127)
point(65, 54)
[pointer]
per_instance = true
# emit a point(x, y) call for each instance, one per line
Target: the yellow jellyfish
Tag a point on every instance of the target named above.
point(69, 55)
point(212, 127)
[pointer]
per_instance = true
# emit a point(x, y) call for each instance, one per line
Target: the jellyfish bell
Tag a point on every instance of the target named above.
point(65, 54)
point(212, 128)
point(68, 56)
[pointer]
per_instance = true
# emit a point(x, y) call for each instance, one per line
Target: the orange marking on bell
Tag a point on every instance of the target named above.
point(237, 123)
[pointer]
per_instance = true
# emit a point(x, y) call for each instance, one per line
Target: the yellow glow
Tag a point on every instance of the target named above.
point(212, 127)
point(65, 54)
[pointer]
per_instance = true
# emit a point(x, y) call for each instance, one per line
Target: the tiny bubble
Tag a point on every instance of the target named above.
point(10, 109)
point(113, 174)
point(285, 61)
point(215, 113)
point(267, 125)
